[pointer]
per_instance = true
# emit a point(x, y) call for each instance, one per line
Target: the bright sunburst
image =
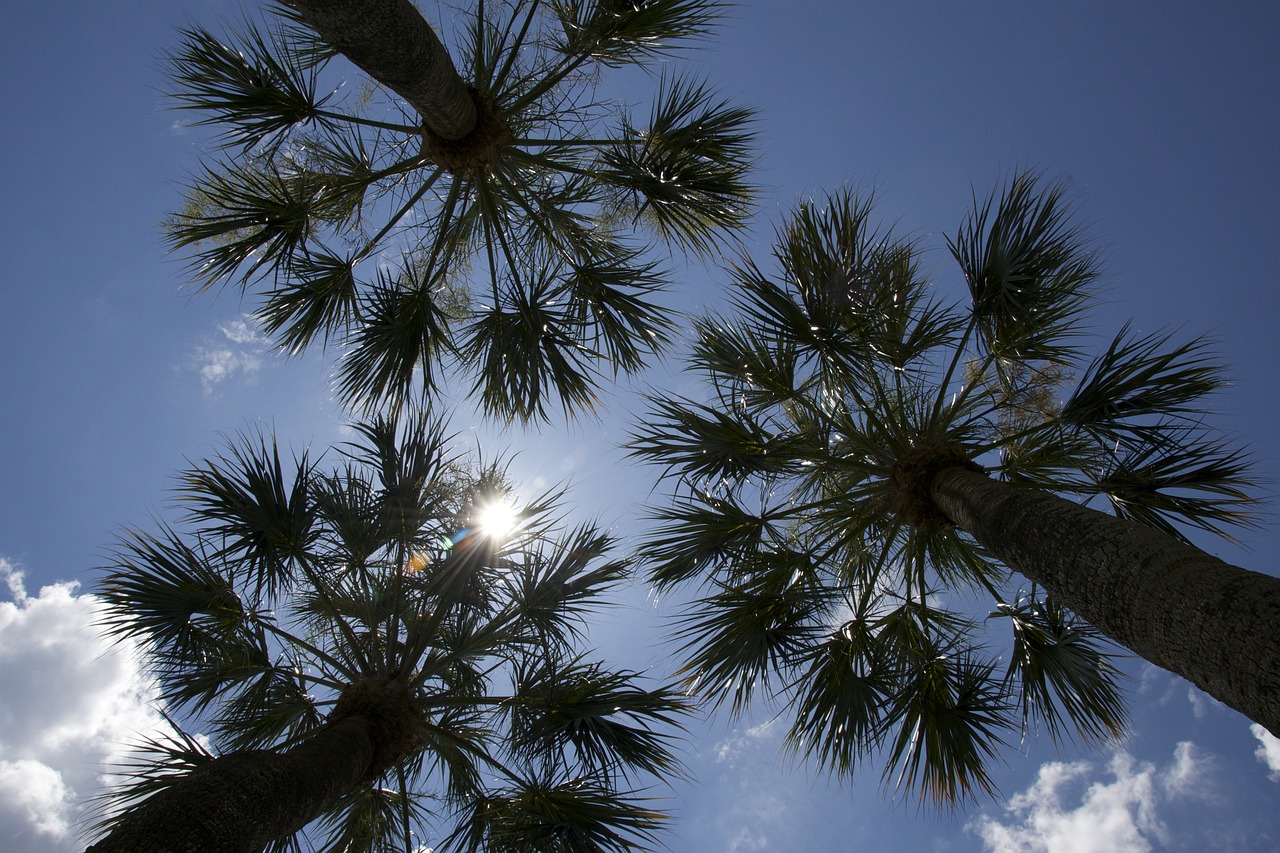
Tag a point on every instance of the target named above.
point(497, 519)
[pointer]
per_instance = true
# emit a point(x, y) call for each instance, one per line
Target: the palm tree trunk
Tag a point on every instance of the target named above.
point(241, 801)
point(391, 42)
point(1215, 624)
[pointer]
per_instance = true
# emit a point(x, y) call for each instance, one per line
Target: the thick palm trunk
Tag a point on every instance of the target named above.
point(1215, 624)
point(240, 802)
point(391, 42)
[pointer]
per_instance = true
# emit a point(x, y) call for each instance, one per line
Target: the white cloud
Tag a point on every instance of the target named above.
point(1268, 750)
point(218, 365)
point(750, 739)
point(1185, 777)
point(748, 841)
point(35, 794)
point(71, 701)
point(1201, 702)
point(238, 353)
point(242, 331)
point(1062, 812)
point(752, 802)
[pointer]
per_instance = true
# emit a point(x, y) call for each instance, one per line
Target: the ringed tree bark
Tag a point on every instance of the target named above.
point(1215, 624)
point(242, 801)
point(391, 42)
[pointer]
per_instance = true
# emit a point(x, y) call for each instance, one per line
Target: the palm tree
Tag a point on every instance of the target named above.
point(487, 225)
point(872, 462)
point(377, 665)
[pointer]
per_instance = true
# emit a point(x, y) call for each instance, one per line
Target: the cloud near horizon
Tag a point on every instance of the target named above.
point(72, 701)
point(1064, 812)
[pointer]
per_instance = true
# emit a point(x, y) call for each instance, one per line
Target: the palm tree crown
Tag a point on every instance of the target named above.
point(300, 601)
point(513, 254)
point(802, 506)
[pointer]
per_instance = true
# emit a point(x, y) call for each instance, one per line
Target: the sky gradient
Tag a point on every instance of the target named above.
point(113, 373)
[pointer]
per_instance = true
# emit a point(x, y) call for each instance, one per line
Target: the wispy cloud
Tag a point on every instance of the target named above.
point(750, 740)
point(1166, 689)
point(71, 702)
point(1064, 811)
point(1268, 750)
point(237, 352)
point(752, 805)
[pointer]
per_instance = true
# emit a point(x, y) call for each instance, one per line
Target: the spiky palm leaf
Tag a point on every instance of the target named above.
point(290, 592)
point(524, 263)
point(834, 389)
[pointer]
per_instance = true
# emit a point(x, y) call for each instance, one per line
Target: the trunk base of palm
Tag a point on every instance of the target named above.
point(478, 151)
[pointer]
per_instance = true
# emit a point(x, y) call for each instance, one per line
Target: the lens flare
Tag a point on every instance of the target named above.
point(497, 519)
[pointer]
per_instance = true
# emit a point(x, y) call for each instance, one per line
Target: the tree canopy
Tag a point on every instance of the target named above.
point(838, 383)
point(297, 597)
point(515, 258)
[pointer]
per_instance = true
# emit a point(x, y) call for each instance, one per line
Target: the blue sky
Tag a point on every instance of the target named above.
point(112, 373)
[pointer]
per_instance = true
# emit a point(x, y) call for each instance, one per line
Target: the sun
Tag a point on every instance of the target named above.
point(497, 519)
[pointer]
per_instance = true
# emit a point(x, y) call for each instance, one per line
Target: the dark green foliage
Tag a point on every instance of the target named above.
point(289, 587)
point(800, 502)
point(524, 266)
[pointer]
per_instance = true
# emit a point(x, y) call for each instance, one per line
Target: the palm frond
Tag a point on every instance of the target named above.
point(1063, 674)
point(687, 170)
point(317, 300)
point(951, 717)
point(1029, 269)
point(828, 250)
point(550, 815)
point(525, 348)
point(844, 687)
point(713, 444)
point(1141, 379)
point(261, 516)
point(254, 88)
point(162, 591)
point(347, 505)
point(1185, 476)
point(557, 584)
point(1051, 458)
point(760, 374)
point(374, 819)
point(246, 219)
point(576, 710)
point(620, 33)
point(455, 750)
point(156, 764)
point(275, 707)
point(403, 334)
point(737, 638)
point(609, 292)
point(701, 530)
